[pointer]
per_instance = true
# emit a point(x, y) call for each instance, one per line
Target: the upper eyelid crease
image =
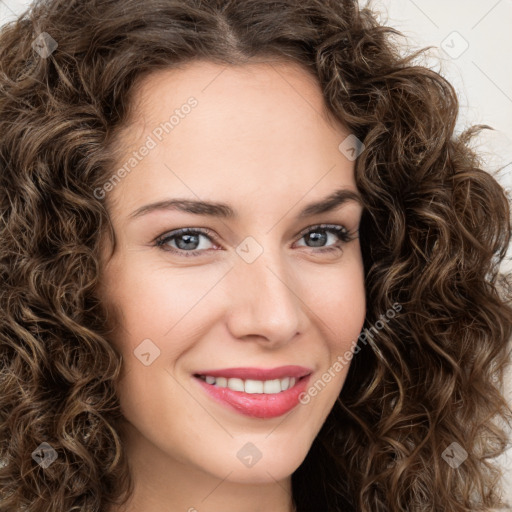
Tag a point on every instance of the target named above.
point(222, 210)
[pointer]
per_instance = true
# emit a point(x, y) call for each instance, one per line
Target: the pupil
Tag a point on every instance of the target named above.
point(189, 239)
point(317, 238)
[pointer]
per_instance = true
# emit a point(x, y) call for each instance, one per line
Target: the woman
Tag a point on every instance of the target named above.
point(247, 265)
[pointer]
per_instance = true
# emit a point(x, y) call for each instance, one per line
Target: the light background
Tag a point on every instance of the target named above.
point(472, 42)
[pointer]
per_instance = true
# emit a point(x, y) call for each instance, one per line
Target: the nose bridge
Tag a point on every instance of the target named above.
point(264, 300)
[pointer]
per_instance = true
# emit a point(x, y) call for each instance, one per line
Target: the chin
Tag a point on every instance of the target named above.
point(269, 468)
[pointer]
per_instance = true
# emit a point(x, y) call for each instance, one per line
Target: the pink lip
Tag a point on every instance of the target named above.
point(259, 373)
point(257, 405)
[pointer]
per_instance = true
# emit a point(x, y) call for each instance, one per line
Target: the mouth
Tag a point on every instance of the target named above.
point(252, 386)
point(256, 398)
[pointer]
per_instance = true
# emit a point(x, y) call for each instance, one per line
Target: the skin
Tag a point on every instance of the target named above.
point(260, 141)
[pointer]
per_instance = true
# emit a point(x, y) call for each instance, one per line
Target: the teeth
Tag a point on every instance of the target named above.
point(221, 382)
point(252, 386)
point(236, 384)
point(272, 386)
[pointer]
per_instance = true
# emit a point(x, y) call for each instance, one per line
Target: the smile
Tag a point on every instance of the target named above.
point(268, 387)
point(254, 398)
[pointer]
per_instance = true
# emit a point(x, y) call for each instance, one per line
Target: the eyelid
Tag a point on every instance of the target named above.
point(325, 226)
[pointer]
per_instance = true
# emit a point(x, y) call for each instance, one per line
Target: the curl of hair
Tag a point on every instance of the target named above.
point(435, 228)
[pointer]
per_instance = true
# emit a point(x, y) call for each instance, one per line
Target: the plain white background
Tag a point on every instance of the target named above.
point(472, 42)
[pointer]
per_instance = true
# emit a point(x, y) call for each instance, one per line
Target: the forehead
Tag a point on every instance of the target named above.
point(228, 95)
point(259, 126)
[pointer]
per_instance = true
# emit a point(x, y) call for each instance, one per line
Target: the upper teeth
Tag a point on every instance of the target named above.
point(252, 386)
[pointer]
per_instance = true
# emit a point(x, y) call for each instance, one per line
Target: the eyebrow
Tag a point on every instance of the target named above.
point(223, 210)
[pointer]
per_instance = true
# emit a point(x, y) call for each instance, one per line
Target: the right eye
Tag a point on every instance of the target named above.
point(186, 238)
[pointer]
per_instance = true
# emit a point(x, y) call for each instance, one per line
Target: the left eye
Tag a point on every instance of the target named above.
point(188, 243)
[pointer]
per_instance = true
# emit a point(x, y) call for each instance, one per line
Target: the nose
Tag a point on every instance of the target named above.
point(265, 302)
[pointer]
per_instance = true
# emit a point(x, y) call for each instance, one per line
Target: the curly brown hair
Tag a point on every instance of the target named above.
point(434, 231)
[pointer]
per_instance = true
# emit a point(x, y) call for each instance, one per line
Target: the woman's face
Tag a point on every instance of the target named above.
point(259, 288)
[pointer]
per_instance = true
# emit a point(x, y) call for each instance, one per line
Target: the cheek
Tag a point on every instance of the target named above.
point(154, 332)
point(337, 297)
point(348, 317)
point(340, 308)
point(156, 303)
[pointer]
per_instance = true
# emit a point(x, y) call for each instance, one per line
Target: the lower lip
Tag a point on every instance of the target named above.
point(257, 405)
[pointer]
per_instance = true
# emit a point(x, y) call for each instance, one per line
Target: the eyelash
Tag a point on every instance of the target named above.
point(340, 231)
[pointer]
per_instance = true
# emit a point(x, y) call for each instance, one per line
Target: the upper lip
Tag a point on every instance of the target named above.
point(259, 373)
